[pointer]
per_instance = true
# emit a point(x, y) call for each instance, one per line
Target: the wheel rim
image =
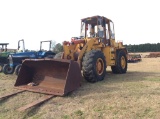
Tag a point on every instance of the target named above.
point(9, 70)
point(99, 66)
point(123, 62)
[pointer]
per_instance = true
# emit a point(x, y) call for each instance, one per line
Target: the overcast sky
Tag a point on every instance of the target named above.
point(136, 21)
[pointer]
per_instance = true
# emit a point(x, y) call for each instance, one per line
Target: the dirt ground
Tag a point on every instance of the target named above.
point(134, 95)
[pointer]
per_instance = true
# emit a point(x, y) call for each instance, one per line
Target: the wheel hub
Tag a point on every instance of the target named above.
point(123, 62)
point(9, 69)
point(99, 66)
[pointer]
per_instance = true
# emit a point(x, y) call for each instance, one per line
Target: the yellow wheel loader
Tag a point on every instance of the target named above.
point(91, 53)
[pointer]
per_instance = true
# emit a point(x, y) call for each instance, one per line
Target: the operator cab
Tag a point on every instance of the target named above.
point(3, 47)
point(98, 26)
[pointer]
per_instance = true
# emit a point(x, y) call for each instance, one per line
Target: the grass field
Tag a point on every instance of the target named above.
point(134, 95)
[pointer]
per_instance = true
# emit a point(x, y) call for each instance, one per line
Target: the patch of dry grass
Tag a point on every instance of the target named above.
point(135, 94)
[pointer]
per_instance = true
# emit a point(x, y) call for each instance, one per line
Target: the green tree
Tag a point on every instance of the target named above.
point(58, 48)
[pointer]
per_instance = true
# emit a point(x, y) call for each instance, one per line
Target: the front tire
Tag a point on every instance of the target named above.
point(121, 63)
point(7, 69)
point(94, 66)
point(17, 69)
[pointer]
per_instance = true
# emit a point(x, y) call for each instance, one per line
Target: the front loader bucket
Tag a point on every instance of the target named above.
point(49, 76)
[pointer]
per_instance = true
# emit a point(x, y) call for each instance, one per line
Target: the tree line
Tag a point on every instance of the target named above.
point(155, 47)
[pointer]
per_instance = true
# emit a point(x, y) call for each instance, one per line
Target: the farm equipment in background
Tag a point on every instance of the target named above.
point(92, 53)
point(15, 60)
point(133, 58)
point(153, 55)
point(8, 68)
point(3, 48)
point(4, 53)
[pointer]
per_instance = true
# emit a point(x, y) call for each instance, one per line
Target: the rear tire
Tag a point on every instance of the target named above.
point(7, 69)
point(121, 63)
point(17, 69)
point(94, 66)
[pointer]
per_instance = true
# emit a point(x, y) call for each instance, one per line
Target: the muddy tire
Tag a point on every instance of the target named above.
point(94, 66)
point(7, 69)
point(17, 69)
point(121, 63)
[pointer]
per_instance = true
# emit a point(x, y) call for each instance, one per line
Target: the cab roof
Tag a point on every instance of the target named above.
point(4, 43)
point(94, 18)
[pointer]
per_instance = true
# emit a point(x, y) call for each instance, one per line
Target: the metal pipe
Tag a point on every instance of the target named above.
point(23, 44)
point(50, 43)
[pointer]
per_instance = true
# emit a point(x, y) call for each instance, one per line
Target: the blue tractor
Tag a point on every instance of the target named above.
point(4, 53)
point(15, 60)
